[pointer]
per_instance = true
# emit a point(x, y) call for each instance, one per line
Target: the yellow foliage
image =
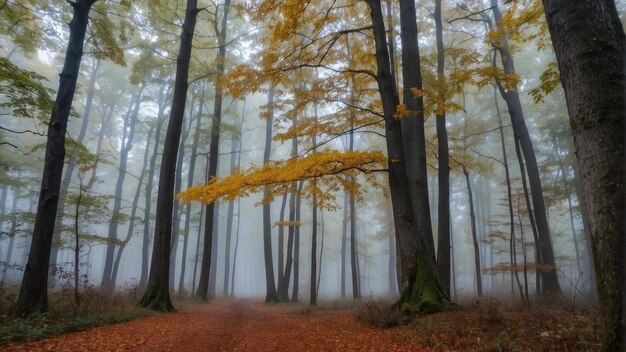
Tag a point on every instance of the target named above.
point(329, 167)
point(417, 92)
point(401, 112)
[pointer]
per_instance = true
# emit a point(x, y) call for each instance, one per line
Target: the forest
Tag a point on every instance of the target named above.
point(282, 175)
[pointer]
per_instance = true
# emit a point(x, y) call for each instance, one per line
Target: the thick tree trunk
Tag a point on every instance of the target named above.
point(443, 174)
point(33, 295)
point(590, 47)
point(413, 137)
point(209, 236)
point(414, 286)
point(157, 295)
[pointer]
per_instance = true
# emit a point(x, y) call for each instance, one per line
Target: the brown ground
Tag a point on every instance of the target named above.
point(231, 326)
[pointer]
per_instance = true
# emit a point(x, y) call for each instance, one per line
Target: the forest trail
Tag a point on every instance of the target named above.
point(231, 325)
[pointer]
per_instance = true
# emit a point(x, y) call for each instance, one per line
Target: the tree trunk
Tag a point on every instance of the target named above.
point(550, 282)
point(284, 287)
point(69, 170)
point(126, 145)
point(190, 175)
point(415, 287)
point(413, 138)
point(281, 247)
point(590, 47)
point(148, 194)
point(443, 174)
point(296, 245)
point(235, 144)
point(214, 246)
point(178, 184)
point(509, 193)
point(344, 235)
point(12, 234)
point(205, 269)
point(33, 295)
point(470, 197)
point(131, 224)
point(319, 272)
point(313, 277)
point(354, 255)
point(157, 295)
point(270, 283)
point(538, 249)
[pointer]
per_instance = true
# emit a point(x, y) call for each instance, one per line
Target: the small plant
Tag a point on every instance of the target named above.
point(380, 314)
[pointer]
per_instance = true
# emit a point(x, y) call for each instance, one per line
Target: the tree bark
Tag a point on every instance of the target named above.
point(33, 295)
point(413, 137)
point(157, 295)
point(590, 47)
point(443, 174)
point(417, 268)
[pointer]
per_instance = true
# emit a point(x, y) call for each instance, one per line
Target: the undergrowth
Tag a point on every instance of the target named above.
point(492, 326)
point(379, 313)
point(97, 307)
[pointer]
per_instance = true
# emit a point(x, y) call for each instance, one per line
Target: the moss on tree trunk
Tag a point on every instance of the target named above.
point(157, 298)
point(423, 295)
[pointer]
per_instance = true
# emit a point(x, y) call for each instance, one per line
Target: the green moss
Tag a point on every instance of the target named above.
point(424, 294)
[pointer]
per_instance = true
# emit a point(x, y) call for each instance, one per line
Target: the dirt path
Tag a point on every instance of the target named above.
point(231, 326)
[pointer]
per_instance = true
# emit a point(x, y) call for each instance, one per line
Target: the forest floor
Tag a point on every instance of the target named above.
point(249, 325)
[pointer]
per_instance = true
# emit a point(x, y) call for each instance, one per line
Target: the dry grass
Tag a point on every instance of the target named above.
point(491, 326)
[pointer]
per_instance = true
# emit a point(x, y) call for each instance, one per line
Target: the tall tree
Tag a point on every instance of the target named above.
point(163, 98)
point(270, 283)
point(511, 97)
point(128, 135)
point(157, 295)
point(443, 173)
point(192, 169)
point(33, 295)
point(220, 28)
point(421, 291)
point(590, 47)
